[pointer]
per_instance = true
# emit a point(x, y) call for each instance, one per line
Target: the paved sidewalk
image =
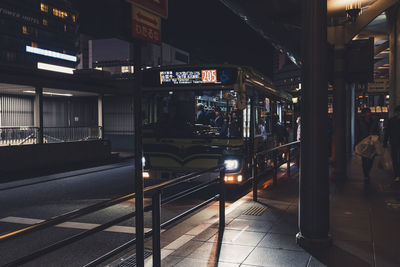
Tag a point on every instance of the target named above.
point(365, 227)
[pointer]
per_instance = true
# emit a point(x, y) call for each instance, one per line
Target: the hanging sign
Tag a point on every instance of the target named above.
point(145, 25)
point(157, 7)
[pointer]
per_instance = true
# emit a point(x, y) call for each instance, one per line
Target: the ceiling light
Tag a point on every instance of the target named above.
point(48, 93)
point(353, 10)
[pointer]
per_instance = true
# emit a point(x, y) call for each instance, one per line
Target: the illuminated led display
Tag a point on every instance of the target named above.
point(191, 76)
point(194, 77)
point(55, 68)
point(49, 53)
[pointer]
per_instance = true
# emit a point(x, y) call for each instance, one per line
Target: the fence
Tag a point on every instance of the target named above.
point(68, 134)
point(18, 135)
point(12, 136)
point(273, 158)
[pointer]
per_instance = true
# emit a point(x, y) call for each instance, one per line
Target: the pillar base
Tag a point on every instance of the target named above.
point(306, 242)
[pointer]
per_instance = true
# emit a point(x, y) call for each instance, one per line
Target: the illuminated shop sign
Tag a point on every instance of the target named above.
point(17, 15)
point(49, 53)
point(207, 76)
point(55, 68)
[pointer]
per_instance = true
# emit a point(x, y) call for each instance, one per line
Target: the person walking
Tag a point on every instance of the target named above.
point(392, 134)
point(367, 126)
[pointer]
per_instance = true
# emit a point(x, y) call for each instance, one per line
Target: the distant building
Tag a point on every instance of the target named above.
point(286, 74)
point(117, 56)
point(38, 33)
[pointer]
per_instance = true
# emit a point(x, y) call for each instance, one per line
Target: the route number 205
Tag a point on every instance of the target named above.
point(209, 76)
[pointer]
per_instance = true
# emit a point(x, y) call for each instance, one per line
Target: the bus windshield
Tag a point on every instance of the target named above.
point(192, 114)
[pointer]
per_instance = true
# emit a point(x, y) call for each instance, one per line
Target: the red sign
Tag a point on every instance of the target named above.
point(146, 26)
point(158, 7)
point(146, 33)
point(209, 76)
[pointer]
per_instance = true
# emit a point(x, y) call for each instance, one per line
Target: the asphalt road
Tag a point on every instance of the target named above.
point(24, 205)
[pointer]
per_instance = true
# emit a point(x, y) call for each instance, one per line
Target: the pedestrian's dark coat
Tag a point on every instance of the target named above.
point(392, 132)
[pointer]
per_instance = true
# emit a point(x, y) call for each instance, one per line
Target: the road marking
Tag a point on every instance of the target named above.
point(73, 225)
point(179, 242)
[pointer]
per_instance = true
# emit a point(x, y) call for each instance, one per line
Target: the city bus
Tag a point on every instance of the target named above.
point(195, 117)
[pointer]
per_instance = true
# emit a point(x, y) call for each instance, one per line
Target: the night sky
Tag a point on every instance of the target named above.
point(208, 30)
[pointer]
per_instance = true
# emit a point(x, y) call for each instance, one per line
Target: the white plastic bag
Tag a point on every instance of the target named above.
point(367, 148)
point(386, 160)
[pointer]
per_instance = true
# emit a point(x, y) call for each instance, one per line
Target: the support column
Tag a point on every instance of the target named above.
point(100, 115)
point(394, 72)
point(38, 114)
point(350, 116)
point(339, 169)
point(139, 185)
point(314, 181)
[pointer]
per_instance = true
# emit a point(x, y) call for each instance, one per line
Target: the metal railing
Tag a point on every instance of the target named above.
point(68, 134)
point(273, 158)
point(155, 191)
point(25, 135)
point(10, 136)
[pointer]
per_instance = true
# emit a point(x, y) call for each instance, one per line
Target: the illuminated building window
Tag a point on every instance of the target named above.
point(33, 44)
point(25, 30)
point(59, 13)
point(44, 7)
point(127, 69)
point(45, 22)
point(74, 18)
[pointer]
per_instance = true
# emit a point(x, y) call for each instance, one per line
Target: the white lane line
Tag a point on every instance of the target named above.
point(179, 242)
point(74, 225)
point(198, 229)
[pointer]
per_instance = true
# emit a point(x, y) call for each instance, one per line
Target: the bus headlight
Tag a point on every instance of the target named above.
point(231, 164)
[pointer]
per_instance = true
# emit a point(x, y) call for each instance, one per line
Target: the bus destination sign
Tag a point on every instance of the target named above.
point(209, 76)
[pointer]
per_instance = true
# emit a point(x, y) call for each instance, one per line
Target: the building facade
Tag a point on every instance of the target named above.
point(117, 56)
point(38, 33)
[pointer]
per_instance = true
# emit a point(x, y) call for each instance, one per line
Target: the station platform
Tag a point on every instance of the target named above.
point(364, 226)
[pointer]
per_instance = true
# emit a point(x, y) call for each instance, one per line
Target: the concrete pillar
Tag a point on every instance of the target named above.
point(100, 115)
point(350, 117)
point(394, 59)
point(139, 184)
point(339, 169)
point(38, 114)
point(314, 181)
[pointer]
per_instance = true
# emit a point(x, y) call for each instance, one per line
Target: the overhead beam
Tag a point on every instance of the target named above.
point(367, 17)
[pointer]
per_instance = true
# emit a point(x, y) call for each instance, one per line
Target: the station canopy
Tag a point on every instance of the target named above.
point(280, 22)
